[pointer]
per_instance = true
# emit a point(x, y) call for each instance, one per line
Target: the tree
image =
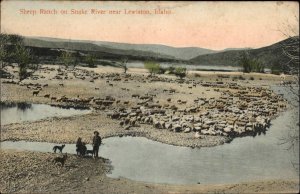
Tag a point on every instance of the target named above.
point(13, 50)
point(24, 58)
point(67, 58)
point(290, 49)
point(152, 67)
point(90, 60)
point(124, 64)
point(245, 62)
point(77, 58)
point(3, 50)
point(249, 64)
point(180, 72)
point(8, 45)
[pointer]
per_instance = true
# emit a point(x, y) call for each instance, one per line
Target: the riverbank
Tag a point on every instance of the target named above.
point(34, 172)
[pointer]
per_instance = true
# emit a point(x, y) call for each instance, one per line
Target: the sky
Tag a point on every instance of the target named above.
point(212, 25)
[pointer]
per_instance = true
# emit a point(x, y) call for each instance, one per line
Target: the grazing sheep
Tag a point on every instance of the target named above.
point(35, 92)
point(135, 96)
point(47, 96)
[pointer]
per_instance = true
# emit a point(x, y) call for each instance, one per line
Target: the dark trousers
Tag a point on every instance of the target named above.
point(95, 150)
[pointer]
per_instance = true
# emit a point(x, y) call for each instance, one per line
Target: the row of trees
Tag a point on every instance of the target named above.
point(70, 59)
point(13, 50)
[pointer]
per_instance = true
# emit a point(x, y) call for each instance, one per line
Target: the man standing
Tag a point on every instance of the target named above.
point(96, 143)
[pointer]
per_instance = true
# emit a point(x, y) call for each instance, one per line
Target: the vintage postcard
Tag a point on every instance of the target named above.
point(149, 97)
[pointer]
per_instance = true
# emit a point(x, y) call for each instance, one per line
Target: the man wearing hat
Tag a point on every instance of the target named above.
point(96, 143)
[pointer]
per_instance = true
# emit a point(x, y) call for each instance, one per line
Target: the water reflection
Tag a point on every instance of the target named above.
point(20, 112)
point(23, 106)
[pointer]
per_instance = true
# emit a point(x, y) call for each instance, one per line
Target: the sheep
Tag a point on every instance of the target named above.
point(35, 92)
point(47, 96)
point(135, 96)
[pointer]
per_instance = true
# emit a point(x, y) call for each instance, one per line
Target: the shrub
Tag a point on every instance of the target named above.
point(171, 69)
point(152, 67)
point(180, 72)
point(197, 75)
point(162, 70)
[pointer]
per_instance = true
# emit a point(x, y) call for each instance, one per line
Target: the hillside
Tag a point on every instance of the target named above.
point(45, 48)
point(270, 56)
point(183, 53)
point(180, 53)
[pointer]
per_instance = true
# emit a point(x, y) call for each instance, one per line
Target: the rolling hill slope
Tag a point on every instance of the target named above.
point(270, 56)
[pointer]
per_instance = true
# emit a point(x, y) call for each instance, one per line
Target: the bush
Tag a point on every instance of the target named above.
point(152, 67)
point(180, 72)
point(238, 78)
point(197, 75)
point(162, 70)
point(251, 78)
point(171, 69)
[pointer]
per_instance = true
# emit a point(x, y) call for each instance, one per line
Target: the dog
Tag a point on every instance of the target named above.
point(61, 160)
point(60, 148)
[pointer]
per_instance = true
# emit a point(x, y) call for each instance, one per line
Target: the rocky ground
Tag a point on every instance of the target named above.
point(34, 172)
point(205, 109)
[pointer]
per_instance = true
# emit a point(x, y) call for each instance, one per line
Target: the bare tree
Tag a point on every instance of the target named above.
point(290, 49)
point(124, 64)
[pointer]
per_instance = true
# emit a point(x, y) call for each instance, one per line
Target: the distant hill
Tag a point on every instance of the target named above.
point(234, 49)
point(40, 47)
point(180, 53)
point(51, 48)
point(270, 56)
